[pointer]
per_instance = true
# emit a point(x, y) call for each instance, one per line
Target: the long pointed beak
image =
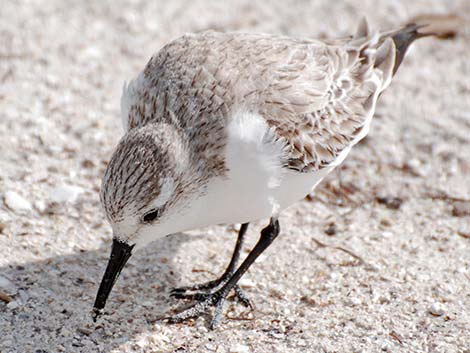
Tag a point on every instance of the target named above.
point(120, 253)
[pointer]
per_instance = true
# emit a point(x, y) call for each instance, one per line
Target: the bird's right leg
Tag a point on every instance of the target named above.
point(217, 298)
point(205, 288)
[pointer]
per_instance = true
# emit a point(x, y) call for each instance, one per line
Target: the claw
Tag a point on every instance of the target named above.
point(204, 301)
point(180, 293)
point(189, 296)
point(243, 297)
point(206, 286)
point(199, 308)
point(219, 308)
point(178, 290)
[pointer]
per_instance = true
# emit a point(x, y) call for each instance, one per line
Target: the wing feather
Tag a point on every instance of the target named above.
point(317, 97)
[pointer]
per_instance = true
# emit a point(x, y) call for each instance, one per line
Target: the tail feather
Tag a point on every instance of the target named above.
point(402, 39)
point(385, 59)
point(384, 51)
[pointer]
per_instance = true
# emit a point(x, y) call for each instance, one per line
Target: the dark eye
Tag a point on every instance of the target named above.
point(151, 216)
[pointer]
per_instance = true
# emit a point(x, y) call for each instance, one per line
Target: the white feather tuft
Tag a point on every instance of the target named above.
point(130, 95)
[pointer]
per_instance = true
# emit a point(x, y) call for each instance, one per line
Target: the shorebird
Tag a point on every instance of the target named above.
point(233, 128)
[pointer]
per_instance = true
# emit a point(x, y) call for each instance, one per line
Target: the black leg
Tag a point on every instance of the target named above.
point(179, 292)
point(217, 299)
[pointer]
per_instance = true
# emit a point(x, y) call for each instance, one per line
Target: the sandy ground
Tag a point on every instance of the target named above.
point(406, 289)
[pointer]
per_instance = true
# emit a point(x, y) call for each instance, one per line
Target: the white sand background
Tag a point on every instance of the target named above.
point(62, 66)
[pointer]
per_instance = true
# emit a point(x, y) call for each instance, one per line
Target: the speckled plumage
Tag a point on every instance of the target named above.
point(316, 97)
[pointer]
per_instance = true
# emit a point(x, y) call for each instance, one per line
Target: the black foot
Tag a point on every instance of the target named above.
point(216, 299)
point(200, 295)
point(206, 286)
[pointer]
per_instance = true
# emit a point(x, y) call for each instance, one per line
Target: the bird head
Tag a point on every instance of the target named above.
point(145, 193)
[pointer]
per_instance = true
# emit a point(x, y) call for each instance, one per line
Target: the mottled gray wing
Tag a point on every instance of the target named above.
point(316, 97)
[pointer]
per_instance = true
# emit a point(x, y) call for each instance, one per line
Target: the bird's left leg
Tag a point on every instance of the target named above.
point(204, 289)
point(217, 298)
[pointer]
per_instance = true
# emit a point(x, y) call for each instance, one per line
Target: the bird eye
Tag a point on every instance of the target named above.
point(151, 216)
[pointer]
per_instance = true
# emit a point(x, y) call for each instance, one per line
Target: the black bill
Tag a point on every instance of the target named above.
point(120, 253)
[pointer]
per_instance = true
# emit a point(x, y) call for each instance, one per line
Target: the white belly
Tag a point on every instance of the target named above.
point(249, 197)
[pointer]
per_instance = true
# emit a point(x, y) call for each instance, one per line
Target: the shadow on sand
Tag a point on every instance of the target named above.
point(51, 310)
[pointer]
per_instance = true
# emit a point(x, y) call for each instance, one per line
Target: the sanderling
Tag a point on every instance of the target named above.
point(233, 128)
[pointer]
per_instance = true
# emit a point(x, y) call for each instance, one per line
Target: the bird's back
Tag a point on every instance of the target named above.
point(317, 97)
